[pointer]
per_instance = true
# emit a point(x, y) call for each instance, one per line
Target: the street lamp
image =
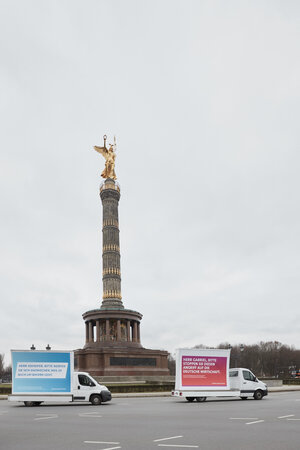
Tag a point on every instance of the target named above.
point(241, 349)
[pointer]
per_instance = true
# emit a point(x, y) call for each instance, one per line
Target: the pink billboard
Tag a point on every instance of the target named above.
point(203, 371)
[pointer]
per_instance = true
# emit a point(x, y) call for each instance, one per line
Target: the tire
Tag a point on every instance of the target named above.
point(190, 399)
point(95, 400)
point(258, 395)
point(29, 403)
point(200, 399)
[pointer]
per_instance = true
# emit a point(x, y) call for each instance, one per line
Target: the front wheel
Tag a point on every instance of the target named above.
point(95, 400)
point(258, 395)
point(200, 399)
point(32, 403)
point(190, 399)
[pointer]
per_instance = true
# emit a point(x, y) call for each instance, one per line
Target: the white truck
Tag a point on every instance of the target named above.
point(202, 373)
point(48, 376)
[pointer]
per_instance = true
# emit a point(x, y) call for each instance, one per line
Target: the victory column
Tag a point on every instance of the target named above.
point(113, 343)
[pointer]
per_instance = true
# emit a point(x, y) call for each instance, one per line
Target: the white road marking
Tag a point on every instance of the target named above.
point(284, 417)
point(46, 416)
point(182, 446)
point(292, 419)
point(89, 415)
point(257, 421)
point(111, 448)
point(243, 418)
point(100, 442)
point(166, 439)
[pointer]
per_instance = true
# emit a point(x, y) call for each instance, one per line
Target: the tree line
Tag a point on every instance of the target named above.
point(5, 371)
point(265, 359)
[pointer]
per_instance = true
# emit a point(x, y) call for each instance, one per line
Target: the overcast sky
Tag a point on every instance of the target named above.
point(203, 97)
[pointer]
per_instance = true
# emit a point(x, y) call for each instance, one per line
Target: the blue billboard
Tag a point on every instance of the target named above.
point(44, 372)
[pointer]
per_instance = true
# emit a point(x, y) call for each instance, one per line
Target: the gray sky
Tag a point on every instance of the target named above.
point(203, 97)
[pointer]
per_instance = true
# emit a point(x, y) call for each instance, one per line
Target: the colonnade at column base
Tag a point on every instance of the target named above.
point(113, 346)
point(112, 328)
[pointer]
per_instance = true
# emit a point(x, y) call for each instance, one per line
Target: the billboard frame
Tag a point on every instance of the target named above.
point(201, 375)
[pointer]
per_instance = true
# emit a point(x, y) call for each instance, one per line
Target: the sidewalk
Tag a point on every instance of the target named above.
point(284, 388)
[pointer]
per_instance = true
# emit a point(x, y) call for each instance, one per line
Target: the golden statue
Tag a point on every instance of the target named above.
point(110, 156)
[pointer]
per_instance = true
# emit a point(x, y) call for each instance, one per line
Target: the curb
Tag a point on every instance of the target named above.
point(289, 388)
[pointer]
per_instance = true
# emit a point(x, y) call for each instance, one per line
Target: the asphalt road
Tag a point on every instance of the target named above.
point(155, 423)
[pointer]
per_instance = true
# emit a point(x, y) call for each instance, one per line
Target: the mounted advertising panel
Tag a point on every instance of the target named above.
point(45, 372)
point(202, 369)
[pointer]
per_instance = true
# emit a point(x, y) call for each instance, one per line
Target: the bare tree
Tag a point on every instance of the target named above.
point(1, 365)
point(270, 359)
point(171, 364)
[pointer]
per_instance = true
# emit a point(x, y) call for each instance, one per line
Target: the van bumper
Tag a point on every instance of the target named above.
point(105, 396)
point(265, 392)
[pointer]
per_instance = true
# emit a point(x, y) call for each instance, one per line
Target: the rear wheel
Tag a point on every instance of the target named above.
point(190, 399)
point(29, 403)
point(258, 395)
point(200, 399)
point(95, 400)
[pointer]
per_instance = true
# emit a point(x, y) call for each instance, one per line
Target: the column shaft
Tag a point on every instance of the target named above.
point(118, 330)
point(91, 332)
point(107, 329)
point(86, 332)
point(110, 195)
point(98, 330)
point(134, 331)
point(138, 333)
point(128, 330)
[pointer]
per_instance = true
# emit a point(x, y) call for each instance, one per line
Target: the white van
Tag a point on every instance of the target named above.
point(247, 384)
point(84, 389)
point(243, 383)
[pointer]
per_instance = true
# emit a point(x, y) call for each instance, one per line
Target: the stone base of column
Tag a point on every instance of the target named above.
point(112, 304)
point(122, 362)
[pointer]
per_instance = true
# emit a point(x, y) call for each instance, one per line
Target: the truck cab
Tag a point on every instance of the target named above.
point(245, 381)
point(87, 389)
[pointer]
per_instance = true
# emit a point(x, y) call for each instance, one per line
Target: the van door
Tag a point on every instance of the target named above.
point(249, 383)
point(234, 380)
point(83, 387)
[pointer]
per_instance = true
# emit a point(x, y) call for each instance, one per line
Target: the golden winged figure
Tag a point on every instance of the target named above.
point(110, 156)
